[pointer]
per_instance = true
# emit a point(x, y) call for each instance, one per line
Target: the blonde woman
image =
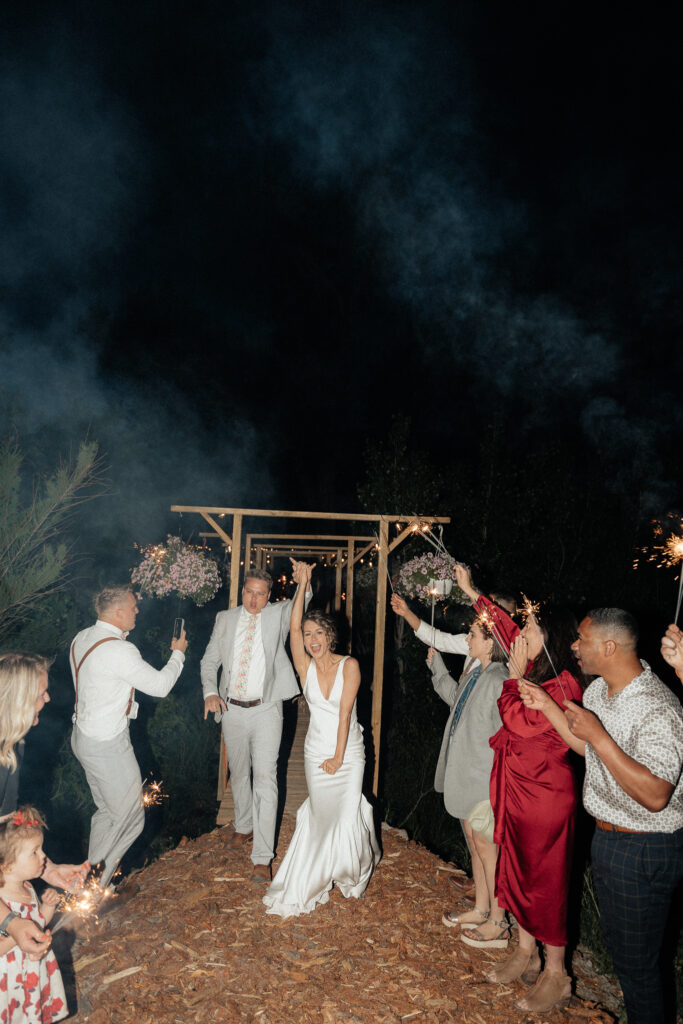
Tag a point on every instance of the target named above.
point(23, 695)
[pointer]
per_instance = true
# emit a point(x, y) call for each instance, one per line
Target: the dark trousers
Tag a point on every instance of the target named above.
point(635, 877)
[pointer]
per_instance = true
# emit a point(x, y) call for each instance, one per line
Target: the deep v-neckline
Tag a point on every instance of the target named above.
point(317, 679)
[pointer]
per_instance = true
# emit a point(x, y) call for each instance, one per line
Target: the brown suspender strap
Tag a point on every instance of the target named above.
point(77, 669)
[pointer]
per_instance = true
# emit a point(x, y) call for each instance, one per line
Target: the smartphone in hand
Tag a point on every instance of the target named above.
point(178, 627)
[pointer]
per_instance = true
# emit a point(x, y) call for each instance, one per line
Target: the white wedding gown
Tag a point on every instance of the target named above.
point(334, 841)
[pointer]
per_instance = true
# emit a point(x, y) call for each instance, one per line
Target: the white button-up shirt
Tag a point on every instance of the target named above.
point(257, 665)
point(449, 643)
point(108, 675)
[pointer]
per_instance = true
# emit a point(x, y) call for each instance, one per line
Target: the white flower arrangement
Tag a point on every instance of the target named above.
point(177, 568)
point(430, 576)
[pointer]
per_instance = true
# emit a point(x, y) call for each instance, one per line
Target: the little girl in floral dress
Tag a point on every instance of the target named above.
point(31, 990)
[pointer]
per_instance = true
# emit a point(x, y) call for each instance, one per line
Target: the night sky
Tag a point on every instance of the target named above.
point(238, 238)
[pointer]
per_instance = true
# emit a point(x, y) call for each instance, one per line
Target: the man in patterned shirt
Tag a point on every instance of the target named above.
point(630, 731)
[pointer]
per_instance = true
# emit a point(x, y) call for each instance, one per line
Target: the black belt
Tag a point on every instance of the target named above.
point(245, 703)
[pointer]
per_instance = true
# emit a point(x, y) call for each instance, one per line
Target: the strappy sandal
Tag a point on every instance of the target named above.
point(451, 920)
point(499, 941)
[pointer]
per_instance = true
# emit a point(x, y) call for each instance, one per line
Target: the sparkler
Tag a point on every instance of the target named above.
point(84, 902)
point(433, 592)
point(87, 899)
point(667, 554)
point(531, 611)
point(152, 795)
point(486, 620)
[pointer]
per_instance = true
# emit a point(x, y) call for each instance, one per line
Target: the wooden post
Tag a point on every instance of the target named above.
point(380, 623)
point(235, 560)
point(349, 588)
point(247, 555)
point(338, 581)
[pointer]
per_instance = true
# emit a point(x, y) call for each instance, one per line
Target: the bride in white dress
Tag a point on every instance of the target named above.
point(334, 842)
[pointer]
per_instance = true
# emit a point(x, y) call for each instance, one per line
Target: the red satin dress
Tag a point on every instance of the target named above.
point(534, 797)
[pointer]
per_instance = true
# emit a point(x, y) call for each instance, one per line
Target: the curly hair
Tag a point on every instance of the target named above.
point(15, 829)
point(19, 686)
point(327, 624)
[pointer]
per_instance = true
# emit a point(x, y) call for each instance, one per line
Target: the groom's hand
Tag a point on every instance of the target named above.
point(213, 703)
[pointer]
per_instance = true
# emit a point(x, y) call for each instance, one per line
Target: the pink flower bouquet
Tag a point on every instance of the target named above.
point(177, 568)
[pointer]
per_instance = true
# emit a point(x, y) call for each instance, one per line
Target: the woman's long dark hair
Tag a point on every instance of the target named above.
point(560, 629)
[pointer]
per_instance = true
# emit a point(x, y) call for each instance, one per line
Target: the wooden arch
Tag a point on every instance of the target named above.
point(335, 543)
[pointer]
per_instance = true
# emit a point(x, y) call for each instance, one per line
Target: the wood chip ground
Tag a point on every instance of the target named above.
point(195, 944)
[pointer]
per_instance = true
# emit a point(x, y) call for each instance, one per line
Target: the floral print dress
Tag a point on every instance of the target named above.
point(31, 991)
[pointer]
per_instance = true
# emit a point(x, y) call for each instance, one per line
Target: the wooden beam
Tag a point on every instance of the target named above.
point(306, 536)
point(402, 536)
point(364, 551)
point(267, 513)
point(380, 624)
point(221, 533)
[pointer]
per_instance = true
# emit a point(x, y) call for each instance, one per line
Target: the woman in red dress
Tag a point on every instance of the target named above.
point(534, 798)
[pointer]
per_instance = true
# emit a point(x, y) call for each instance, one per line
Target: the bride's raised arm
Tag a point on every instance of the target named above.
point(301, 574)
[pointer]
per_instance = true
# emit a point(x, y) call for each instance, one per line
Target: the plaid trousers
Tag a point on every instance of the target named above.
point(635, 877)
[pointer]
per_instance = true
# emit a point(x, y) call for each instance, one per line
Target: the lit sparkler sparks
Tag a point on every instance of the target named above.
point(152, 795)
point(487, 621)
point(668, 553)
point(84, 902)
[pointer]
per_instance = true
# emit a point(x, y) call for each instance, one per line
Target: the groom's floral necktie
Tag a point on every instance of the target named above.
point(245, 658)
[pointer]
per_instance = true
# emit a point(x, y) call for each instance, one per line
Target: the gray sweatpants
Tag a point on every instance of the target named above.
point(252, 742)
point(116, 786)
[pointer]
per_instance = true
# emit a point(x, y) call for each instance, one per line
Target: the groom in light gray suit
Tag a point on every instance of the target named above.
point(249, 644)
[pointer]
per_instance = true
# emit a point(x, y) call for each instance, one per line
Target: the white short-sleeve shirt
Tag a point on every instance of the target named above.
point(645, 719)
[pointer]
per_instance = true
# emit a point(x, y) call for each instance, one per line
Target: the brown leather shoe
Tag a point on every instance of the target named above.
point(238, 839)
point(261, 873)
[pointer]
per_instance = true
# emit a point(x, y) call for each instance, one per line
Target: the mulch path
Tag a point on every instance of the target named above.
point(194, 944)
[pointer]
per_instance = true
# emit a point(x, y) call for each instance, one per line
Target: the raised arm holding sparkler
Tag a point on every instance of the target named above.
point(492, 616)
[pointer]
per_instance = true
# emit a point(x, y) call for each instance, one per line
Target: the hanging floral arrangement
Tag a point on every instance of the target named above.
point(430, 577)
point(177, 568)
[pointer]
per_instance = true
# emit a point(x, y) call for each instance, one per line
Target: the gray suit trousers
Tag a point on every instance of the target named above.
point(252, 742)
point(116, 785)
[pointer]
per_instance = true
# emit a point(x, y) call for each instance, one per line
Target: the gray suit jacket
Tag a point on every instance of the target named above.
point(463, 770)
point(280, 681)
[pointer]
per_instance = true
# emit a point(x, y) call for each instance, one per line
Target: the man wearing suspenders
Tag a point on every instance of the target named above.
point(107, 670)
